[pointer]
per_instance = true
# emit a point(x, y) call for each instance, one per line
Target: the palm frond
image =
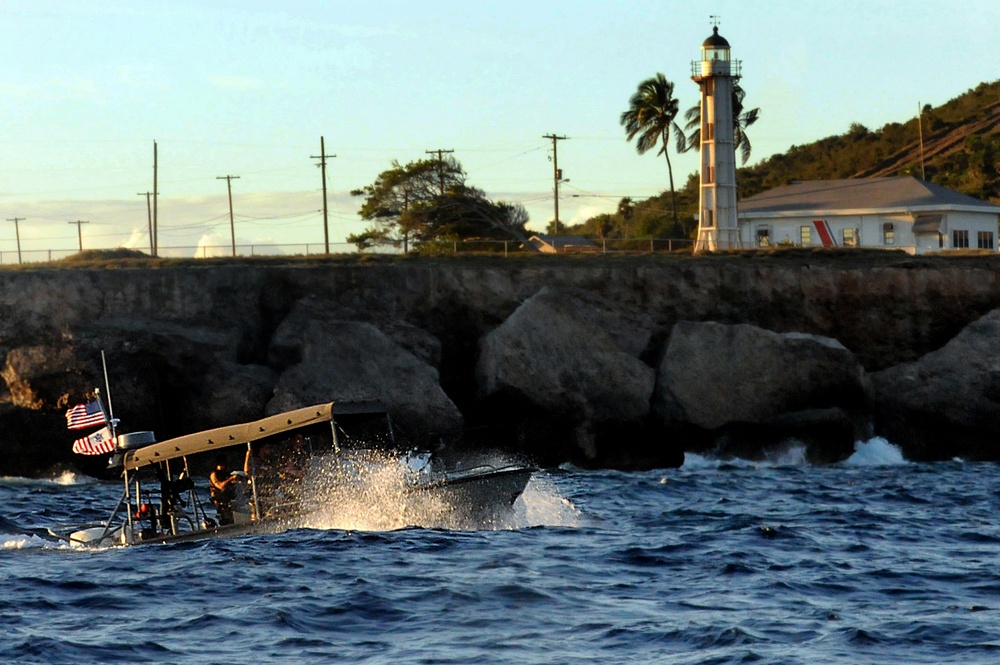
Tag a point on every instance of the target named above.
point(681, 143)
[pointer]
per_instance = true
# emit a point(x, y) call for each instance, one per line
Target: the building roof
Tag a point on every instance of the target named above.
point(716, 40)
point(860, 195)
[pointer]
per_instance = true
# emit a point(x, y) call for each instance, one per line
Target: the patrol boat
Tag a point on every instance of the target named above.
point(276, 485)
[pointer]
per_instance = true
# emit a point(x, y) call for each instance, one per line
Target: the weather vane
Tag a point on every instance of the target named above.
point(715, 20)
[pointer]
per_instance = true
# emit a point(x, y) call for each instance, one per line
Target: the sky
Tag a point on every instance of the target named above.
point(248, 88)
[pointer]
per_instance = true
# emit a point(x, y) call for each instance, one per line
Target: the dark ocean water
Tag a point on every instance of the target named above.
point(872, 561)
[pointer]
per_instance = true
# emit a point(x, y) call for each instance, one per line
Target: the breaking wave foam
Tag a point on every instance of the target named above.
point(21, 542)
point(794, 455)
point(876, 452)
point(65, 478)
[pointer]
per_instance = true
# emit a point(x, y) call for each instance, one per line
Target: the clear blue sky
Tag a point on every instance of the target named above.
point(247, 88)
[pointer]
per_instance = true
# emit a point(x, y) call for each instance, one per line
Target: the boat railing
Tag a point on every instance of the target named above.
point(478, 470)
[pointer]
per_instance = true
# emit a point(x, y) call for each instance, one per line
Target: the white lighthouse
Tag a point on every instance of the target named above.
point(716, 74)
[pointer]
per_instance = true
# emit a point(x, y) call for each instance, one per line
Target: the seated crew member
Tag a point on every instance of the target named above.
point(221, 490)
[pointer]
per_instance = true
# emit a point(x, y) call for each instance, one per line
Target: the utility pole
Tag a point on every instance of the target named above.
point(440, 153)
point(556, 173)
point(149, 215)
point(229, 185)
point(79, 231)
point(920, 128)
point(156, 196)
point(17, 232)
point(322, 157)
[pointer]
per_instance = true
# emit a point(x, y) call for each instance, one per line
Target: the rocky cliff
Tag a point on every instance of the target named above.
point(562, 359)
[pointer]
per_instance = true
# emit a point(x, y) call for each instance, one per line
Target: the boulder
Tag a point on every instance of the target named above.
point(570, 353)
point(564, 370)
point(946, 403)
point(352, 361)
point(233, 393)
point(735, 379)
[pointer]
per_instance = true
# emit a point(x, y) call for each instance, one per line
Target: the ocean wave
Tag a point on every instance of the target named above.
point(14, 541)
point(793, 455)
point(876, 452)
point(65, 478)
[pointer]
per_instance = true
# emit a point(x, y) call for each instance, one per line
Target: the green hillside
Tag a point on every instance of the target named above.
point(961, 149)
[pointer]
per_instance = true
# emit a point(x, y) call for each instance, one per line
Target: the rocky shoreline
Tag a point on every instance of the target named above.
point(616, 362)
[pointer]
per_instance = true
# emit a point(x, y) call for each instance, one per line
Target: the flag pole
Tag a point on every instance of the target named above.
point(107, 389)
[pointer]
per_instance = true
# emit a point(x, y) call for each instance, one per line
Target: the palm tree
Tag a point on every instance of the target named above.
point(626, 209)
point(650, 116)
point(741, 120)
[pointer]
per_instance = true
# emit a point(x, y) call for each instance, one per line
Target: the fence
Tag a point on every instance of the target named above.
point(499, 247)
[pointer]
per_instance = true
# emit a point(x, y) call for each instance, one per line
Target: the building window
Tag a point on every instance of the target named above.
point(960, 239)
point(850, 237)
point(984, 239)
point(709, 219)
point(710, 131)
point(710, 174)
point(763, 237)
point(888, 234)
point(805, 235)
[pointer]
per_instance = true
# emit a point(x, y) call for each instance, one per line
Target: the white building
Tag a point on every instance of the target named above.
point(890, 213)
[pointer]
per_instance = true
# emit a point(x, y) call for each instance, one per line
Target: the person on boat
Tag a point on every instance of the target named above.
point(261, 466)
point(221, 489)
point(293, 461)
point(171, 503)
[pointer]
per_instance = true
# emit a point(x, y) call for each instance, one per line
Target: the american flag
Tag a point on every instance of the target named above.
point(98, 443)
point(87, 415)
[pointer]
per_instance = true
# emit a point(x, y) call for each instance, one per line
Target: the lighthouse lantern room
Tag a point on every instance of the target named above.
point(716, 74)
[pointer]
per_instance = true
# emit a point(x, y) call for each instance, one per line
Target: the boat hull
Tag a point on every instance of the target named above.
point(483, 496)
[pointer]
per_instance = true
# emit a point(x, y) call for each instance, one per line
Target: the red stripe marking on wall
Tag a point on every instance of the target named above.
point(824, 232)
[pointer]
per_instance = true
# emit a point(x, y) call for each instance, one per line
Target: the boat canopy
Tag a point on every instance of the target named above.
point(225, 437)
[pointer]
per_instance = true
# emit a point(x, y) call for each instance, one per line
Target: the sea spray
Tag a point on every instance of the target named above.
point(541, 504)
point(369, 490)
point(875, 452)
point(364, 491)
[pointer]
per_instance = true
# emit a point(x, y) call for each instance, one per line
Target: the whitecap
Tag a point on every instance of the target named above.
point(20, 542)
point(66, 478)
point(792, 455)
point(876, 451)
point(696, 461)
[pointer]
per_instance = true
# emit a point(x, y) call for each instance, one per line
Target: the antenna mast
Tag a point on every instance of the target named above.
point(107, 388)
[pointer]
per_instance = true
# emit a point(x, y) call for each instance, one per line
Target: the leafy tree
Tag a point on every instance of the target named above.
point(428, 201)
point(741, 121)
point(651, 117)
